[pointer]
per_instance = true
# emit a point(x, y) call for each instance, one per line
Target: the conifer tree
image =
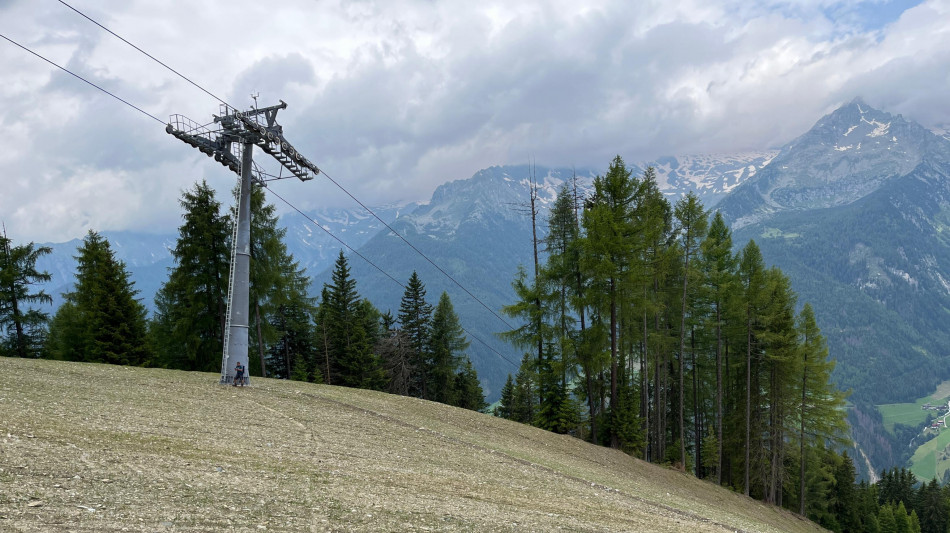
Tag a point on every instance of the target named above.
point(719, 270)
point(23, 329)
point(753, 300)
point(524, 398)
point(414, 320)
point(191, 307)
point(607, 256)
point(886, 519)
point(349, 332)
point(507, 400)
point(692, 221)
point(394, 349)
point(821, 404)
point(469, 394)
point(561, 278)
point(655, 226)
point(447, 344)
point(281, 310)
point(101, 320)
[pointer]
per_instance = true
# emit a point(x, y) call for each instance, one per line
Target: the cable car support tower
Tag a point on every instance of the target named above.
point(231, 142)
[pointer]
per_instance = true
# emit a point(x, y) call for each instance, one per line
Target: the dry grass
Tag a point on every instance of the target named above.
point(88, 447)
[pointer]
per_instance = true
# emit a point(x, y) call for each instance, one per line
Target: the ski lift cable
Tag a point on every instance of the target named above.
point(361, 204)
point(377, 267)
point(71, 73)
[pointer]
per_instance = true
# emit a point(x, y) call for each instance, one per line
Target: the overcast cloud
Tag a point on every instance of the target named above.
point(394, 97)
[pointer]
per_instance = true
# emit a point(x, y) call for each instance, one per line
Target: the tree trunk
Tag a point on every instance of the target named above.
point(718, 395)
point(681, 353)
point(697, 430)
point(614, 439)
point(801, 438)
point(645, 389)
point(748, 401)
point(326, 350)
point(260, 340)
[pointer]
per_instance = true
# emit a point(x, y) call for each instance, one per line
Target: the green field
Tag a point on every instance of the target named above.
point(932, 458)
point(909, 414)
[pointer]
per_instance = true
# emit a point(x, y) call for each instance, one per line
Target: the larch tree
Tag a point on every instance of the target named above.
point(821, 403)
point(692, 222)
point(718, 265)
point(607, 256)
point(752, 278)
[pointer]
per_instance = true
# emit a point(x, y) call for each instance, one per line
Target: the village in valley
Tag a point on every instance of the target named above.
point(939, 410)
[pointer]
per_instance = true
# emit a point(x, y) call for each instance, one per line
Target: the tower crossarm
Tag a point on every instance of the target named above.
point(211, 143)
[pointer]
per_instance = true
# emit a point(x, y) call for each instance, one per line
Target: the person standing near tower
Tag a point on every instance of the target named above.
point(238, 374)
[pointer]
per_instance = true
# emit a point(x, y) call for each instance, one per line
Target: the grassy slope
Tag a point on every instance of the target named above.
point(88, 447)
point(909, 414)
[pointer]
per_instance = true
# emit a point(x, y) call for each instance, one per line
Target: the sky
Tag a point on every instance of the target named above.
point(393, 97)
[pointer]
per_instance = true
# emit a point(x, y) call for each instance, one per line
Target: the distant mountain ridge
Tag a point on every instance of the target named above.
point(857, 213)
point(848, 154)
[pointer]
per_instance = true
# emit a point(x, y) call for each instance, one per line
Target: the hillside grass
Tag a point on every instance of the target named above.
point(911, 414)
point(87, 447)
point(932, 458)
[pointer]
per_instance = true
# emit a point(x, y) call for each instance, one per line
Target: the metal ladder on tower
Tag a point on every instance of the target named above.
point(227, 324)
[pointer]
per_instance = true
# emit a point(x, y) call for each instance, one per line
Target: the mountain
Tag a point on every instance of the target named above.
point(857, 213)
point(711, 177)
point(478, 231)
point(847, 155)
point(148, 256)
point(452, 217)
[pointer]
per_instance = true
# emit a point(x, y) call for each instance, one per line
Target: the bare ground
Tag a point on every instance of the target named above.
point(87, 447)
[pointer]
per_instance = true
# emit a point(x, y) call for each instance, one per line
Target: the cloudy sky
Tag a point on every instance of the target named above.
point(393, 97)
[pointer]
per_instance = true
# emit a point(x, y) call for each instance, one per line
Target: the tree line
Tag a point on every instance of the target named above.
point(339, 338)
point(643, 330)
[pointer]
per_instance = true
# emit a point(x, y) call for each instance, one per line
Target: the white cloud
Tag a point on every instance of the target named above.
point(395, 97)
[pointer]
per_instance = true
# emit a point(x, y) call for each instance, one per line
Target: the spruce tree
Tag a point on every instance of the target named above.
point(282, 312)
point(447, 344)
point(414, 320)
point(191, 307)
point(348, 330)
point(506, 403)
point(22, 329)
point(469, 394)
point(101, 320)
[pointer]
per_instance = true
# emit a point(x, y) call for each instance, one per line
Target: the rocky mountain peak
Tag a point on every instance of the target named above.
point(845, 156)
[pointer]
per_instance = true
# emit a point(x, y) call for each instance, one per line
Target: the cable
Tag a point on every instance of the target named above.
point(140, 110)
point(377, 267)
point(182, 76)
point(337, 239)
point(424, 256)
point(370, 211)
